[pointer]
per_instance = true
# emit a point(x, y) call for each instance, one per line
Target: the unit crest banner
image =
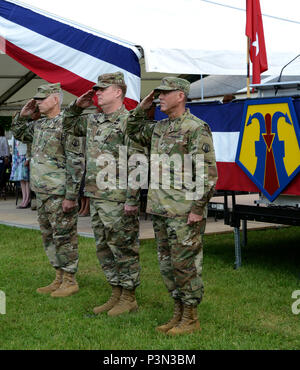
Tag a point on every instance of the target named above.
point(268, 148)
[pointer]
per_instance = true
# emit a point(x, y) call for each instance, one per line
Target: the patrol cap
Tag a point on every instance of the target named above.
point(109, 79)
point(174, 83)
point(45, 90)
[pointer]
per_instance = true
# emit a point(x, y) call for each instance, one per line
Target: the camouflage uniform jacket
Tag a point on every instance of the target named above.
point(57, 159)
point(105, 135)
point(184, 135)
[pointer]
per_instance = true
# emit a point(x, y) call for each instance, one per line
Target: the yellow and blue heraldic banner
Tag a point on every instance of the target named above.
point(269, 144)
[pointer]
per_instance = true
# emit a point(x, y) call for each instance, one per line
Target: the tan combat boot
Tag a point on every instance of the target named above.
point(54, 285)
point(189, 322)
point(68, 287)
point(178, 309)
point(114, 298)
point(126, 303)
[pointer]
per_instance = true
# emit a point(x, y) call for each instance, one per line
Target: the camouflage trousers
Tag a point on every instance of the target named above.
point(59, 232)
point(180, 256)
point(117, 245)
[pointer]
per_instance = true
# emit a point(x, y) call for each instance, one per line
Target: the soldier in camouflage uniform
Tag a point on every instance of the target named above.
point(178, 222)
point(57, 165)
point(114, 210)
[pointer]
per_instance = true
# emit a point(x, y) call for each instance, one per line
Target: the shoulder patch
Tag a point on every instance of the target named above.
point(206, 148)
point(75, 142)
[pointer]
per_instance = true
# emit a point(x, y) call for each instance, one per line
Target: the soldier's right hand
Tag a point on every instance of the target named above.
point(29, 108)
point(86, 100)
point(147, 101)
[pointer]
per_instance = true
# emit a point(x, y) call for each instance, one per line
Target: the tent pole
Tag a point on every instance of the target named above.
point(17, 86)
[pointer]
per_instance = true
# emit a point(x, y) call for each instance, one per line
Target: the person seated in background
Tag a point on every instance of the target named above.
point(4, 159)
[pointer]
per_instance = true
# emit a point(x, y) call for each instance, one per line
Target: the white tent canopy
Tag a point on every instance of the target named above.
point(188, 36)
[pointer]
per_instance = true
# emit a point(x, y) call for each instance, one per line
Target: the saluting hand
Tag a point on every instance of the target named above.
point(86, 100)
point(147, 101)
point(36, 115)
point(193, 218)
point(29, 108)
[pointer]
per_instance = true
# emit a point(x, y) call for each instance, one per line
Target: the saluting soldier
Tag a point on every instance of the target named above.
point(56, 170)
point(114, 209)
point(178, 217)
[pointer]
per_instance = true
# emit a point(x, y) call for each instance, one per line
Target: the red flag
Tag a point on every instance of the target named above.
point(255, 32)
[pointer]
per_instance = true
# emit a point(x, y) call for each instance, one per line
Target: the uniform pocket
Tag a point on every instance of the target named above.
point(173, 143)
point(49, 141)
point(74, 144)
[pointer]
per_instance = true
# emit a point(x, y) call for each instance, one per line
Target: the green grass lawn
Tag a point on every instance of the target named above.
point(248, 308)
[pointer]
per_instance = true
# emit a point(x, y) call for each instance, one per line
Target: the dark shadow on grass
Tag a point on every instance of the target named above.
point(266, 249)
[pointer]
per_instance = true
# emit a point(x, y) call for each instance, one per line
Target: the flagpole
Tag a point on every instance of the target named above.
point(248, 69)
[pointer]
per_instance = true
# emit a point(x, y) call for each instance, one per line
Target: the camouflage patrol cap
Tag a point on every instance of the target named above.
point(45, 90)
point(174, 83)
point(109, 79)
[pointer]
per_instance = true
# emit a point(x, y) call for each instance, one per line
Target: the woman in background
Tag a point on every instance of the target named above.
point(20, 171)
